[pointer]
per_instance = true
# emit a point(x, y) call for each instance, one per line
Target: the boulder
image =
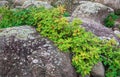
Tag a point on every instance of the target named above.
point(98, 70)
point(117, 33)
point(29, 3)
point(85, 76)
point(92, 10)
point(92, 15)
point(18, 2)
point(99, 30)
point(115, 4)
point(25, 53)
point(4, 3)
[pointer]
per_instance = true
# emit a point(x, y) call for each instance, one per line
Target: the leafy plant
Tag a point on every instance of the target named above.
point(66, 14)
point(117, 12)
point(86, 48)
point(16, 17)
point(110, 20)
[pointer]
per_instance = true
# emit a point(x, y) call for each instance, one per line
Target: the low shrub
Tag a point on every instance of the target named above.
point(110, 20)
point(17, 17)
point(117, 12)
point(86, 48)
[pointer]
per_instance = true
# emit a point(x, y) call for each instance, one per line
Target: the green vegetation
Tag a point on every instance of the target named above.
point(87, 49)
point(16, 17)
point(117, 12)
point(110, 20)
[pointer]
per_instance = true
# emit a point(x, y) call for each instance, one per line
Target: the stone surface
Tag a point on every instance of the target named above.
point(99, 29)
point(3, 3)
point(98, 70)
point(117, 33)
point(85, 76)
point(92, 10)
point(24, 53)
point(111, 3)
point(36, 4)
point(92, 15)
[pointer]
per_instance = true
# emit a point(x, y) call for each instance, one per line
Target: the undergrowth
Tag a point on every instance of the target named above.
point(87, 49)
point(110, 20)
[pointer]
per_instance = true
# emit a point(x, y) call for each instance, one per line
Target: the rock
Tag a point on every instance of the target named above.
point(92, 15)
point(92, 10)
point(98, 70)
point(99, 30)
point(117, 25)
point(3, 3)
point(18, 2)
point(85, 76)
point(117, 33)
point(115, 4)
point(24, 53)
point(36, 4)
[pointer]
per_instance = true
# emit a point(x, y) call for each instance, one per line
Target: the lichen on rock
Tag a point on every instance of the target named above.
point(24, 53)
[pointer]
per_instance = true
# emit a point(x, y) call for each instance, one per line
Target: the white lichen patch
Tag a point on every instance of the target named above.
point(21, 33)
point(35, 61)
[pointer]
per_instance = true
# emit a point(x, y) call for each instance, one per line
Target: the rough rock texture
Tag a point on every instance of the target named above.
point(24, 53)
point(92, 10)
point(98, 70)
point(85, 76)
point(92, 14)
point(99, 29)
point(111, 3)
point(3, 3)
point(36, 4)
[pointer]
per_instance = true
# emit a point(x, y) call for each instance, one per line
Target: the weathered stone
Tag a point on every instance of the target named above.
point(92, 10)
point(117, 25)
point(99, 29)
point(111, 3)
point(24, 53)
point(3, 3)
point(36, 4)
point(92, 15)
point(98, 70)
point(117, 33)
point(85, 76)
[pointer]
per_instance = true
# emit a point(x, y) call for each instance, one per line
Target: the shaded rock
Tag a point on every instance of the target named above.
point(24, 53)
point(117, 25)
point(98, 70)
point(29, 3)
point(85, 76)
point(92, 10)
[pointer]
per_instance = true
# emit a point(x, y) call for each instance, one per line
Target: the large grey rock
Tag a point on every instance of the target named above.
point(92, 15)
point(99, 30)
point(85, 76)
point(92, 10)
point(24, 53)
point(4, 3)
point(36, 4)
point(98, 70)
point(111, 3)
